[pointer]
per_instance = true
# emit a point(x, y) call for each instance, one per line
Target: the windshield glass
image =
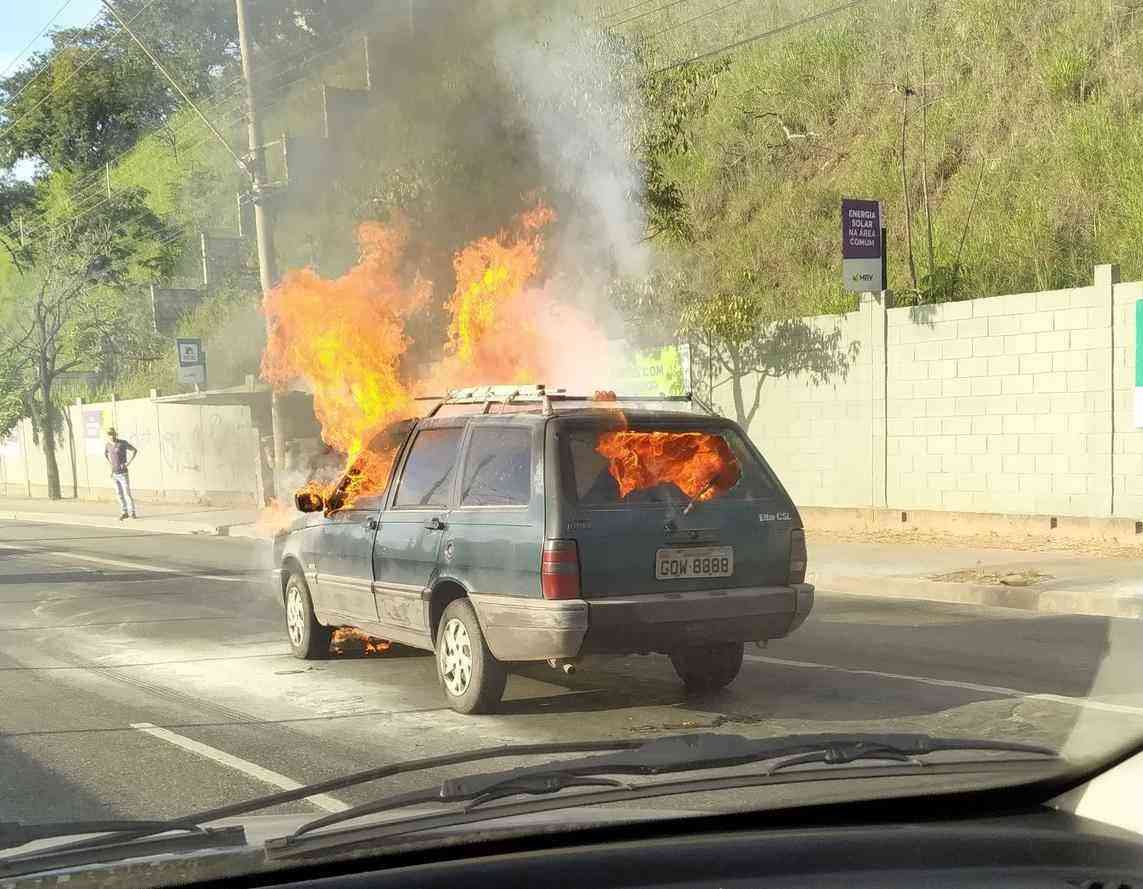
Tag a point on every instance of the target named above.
point(383, 380)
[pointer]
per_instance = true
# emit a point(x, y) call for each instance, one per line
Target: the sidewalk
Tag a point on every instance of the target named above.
point(1029, 573)
point(160, 517)
point(1087, 578)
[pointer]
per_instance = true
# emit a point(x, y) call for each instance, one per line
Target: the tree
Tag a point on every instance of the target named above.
point(16, 197)
point(73, 314)
point(735, 337)
point(93, 93)
point(725, 283)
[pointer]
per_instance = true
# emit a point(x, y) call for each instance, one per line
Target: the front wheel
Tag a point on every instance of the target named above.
point(471, 678)
point(706, 668)
point(308, 638)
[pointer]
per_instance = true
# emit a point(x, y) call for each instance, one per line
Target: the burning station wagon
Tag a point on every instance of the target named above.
point(520, 524)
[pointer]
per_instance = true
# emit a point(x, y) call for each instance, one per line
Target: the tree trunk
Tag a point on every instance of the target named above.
point(735, 368)
point(48, 434)
point(48, 443)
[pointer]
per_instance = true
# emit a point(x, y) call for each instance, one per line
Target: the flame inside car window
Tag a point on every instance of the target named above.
point(700, 464)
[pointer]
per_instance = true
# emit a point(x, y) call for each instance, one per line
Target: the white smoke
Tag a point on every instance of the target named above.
point(579, 104)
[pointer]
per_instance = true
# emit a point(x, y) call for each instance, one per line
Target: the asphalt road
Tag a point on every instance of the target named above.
point(147, 675)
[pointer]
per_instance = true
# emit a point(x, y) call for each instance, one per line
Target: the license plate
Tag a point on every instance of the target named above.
point(692, 562)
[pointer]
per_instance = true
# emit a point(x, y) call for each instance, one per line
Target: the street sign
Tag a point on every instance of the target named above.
point(192, 361)
point(94, 426)
point(862, 257)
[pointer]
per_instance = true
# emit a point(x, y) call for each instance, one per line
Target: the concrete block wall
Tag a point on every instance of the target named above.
point(186, 453)
point(1127, 451)
point(1002, 404)
point(799, 426)
point(1016, 404)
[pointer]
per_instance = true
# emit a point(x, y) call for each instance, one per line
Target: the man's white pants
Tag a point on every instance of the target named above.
point(123, 489)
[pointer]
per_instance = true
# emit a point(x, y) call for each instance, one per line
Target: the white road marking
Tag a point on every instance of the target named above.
point(134, 566)
point(998, 690)
point(251, 770)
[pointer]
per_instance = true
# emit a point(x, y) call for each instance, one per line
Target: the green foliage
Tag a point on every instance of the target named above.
point(1043, 99)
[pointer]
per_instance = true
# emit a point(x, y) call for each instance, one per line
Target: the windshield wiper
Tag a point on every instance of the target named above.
point(193, 821)
point(680, 753)
point(16, 833)
point(127, 840)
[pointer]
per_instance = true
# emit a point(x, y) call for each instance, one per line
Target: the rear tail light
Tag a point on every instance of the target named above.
point(797, 556)
point(559, 570)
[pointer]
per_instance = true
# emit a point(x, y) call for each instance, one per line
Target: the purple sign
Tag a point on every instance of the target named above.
point(93, 424)
point(861, 263)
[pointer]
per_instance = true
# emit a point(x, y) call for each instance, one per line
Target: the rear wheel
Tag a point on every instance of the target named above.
point(308, 638)
point(705, 668)
point(471, 678)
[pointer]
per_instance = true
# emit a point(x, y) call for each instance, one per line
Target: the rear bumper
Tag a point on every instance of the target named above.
point(526, 629)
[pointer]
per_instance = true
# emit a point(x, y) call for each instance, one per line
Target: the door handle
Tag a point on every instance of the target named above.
point(371, 524)
point(435, 524)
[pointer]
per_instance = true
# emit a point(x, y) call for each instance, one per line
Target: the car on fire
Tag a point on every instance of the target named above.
point(520, 524)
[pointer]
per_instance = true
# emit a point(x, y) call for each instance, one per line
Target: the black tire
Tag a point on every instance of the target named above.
point(471, 678)
point(308, 639)
point(707, 668)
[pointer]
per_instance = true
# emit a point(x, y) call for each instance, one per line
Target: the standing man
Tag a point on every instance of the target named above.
point(116, 453)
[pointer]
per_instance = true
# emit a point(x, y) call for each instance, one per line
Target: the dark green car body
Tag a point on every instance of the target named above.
point(473, 499)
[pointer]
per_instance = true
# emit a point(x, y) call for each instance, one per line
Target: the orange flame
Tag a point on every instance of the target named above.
point(505, 327)
point(346, 337)
point(346, 640)
point(700, 464)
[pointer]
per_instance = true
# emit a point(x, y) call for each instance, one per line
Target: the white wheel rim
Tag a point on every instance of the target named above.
point(295, 616)
point(456, 657)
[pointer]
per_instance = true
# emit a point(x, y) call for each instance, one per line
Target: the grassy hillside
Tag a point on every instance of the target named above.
point(1037, 100)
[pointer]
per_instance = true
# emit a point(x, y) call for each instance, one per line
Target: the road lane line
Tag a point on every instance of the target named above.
point(250, 769)
point(998, 690)
point(137, 566)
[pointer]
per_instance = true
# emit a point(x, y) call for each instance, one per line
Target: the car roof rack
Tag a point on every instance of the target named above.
point(547, 398)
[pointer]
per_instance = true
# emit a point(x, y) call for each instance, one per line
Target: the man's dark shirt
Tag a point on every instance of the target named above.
point(116, 454)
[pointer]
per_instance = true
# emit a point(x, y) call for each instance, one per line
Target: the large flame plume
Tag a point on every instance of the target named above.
point(346, 337)
point(506, 326)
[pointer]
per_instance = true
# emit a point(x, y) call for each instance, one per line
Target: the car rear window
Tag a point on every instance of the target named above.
point(596, 479)
point(498, 468)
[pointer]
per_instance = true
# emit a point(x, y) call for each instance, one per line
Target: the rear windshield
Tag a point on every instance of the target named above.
point(647, 465)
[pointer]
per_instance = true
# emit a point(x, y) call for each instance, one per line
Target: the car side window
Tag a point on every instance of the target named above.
point(498, 468)
point(428, 471)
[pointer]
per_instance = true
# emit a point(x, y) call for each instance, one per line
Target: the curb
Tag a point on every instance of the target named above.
point(1044, 601)
point(162, 526)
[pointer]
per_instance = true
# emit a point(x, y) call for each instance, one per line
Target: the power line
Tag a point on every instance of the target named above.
point(66, 80)
point(44, 67)
point(761, 36)
point(642, 15)
point(39, 34)
point(608, 15)
point(174, 83)
point(696, 18)
point(234, 113)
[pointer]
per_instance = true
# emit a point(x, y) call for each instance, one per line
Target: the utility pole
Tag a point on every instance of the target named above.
point(263, 227)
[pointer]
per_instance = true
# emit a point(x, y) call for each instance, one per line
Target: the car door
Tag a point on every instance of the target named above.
point(343, 557)
point(409, 539)
point(344, 564)
point(496, 530)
